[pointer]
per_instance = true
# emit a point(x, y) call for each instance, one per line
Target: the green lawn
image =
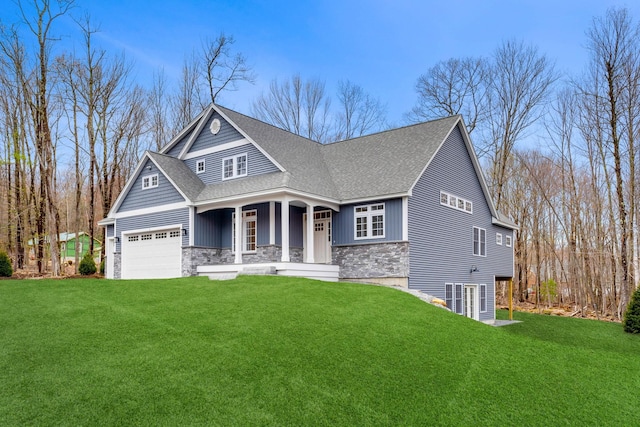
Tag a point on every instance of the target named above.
point(283, 351)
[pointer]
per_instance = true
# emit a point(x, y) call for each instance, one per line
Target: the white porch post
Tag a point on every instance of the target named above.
point(239, 245)
point(272, 223)
point(310, 234)
point(284, 229)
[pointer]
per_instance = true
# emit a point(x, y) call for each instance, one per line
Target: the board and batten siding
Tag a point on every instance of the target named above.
point(441, 238)
point(257, 163)
point(344, 228)
point(139, 198)
point(153, 221)
point(206, 139)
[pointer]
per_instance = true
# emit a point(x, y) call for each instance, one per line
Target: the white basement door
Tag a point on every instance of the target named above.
point(152, 255)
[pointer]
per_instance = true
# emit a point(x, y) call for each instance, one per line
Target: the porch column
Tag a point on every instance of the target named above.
point(239, 245)
point(310, 235)
point(284, 229)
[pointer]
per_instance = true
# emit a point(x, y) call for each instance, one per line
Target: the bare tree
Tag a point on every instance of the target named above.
point(520, 86)
point(454, 86)
point(300, 107)
point(358, 113)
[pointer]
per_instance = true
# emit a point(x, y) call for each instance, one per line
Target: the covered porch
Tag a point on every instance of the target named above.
point(274, 235)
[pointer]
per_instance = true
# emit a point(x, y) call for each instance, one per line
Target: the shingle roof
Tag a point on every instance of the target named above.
point(385, 163)
point(180, 174)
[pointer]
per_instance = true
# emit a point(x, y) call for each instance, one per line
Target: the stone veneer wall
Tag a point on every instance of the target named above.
point(373, 262)
point(194, 256)
point(117, 266)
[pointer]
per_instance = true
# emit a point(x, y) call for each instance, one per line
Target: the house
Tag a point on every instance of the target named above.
point(406, 207)
point(68, 243)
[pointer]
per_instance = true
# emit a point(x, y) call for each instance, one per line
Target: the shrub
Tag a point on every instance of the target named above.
point(87, 265)
point(632, 315)
point(5, 265)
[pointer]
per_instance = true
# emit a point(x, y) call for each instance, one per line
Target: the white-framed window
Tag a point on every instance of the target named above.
point(149, 181)
point(249, 231)
point(479, 241)
point(200, 166)
point(369, 221)
point(234, 166)
point(455, 202)
point(174, 233)
point(507, 241)
point(458, 300)
point(499, 239)
point(162, 235)
point(483, 298)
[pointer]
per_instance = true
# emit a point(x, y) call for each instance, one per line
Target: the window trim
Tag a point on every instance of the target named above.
point(235, 163)
point(482, 243)
point(204, 167)
point(508, 240)
point(482, 289)
point(446, 199)
point(368, 216)
point(499, 239)
point(147, 181)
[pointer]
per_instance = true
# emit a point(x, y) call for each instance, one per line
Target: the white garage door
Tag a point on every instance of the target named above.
point(152, 255)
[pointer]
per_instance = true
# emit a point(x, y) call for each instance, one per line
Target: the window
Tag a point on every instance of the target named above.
point(483, 298)
point(249, 231)
point(149, 181)
point(456, 202)
point(200, 166)
point(133, 238)
point(479, 241)
point(146, 237)
point(508, 241)
point(498, 239)
point(162, 235)
point(369, 221)
point(174, 234)
point(448, 295)
point(458, 305)
point(234, 167)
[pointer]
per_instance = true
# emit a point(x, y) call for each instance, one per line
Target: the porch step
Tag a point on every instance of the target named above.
point(261, 271)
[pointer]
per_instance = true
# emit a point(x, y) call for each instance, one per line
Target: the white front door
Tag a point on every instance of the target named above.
point(322, 241)
point(471, 301)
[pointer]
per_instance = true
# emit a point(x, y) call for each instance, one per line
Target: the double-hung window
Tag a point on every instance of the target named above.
point(369, 221)
point(149, 181)
point(249, 230)
point(234, 166)
point(479, 241)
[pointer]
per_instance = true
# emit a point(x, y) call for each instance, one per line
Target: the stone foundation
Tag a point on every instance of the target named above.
point(194, 256)
point(117, 265)
point(381, 263)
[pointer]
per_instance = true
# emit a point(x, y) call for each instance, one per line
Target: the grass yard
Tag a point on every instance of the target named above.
point(284, 351)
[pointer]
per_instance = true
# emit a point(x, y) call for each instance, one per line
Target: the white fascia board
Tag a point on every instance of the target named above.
point(217, 148)
point(496, 221)
point(375, 198)
point(182, 133)
point(196, 133)
point(248, 138)
point(150, 210)
point(128, 185)
point(267, 196)
point(166, 175)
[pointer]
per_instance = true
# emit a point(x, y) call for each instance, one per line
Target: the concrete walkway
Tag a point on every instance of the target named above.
point(505, 322)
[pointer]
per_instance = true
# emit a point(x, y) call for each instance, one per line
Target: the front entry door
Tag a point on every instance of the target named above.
point(470, 301)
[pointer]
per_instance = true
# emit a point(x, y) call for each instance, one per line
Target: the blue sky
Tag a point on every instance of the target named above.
point(381, 45)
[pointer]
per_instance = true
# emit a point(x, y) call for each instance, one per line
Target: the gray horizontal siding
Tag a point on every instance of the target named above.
point(257, 163)
point(441, 238)
point(214, 228)
point(343, 223)
point(137, 198)
point(177, 148)
point(206, 139)
point(153, 220)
